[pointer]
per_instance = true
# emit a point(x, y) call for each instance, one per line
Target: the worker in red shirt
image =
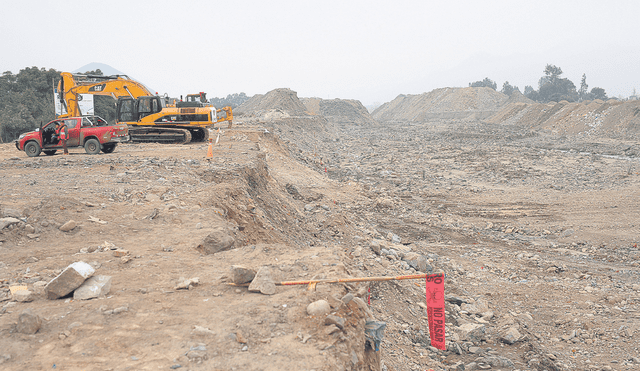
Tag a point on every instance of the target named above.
point(63, 135)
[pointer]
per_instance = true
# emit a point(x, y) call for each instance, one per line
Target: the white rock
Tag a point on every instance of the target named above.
point(23, 296)
point(70, 279)
point(511, 335)
point(94, 287)
point(471, 331)
point(318, 308)
point(4, 222)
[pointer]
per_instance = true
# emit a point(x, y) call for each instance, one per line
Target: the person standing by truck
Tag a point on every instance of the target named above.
point(63, 135)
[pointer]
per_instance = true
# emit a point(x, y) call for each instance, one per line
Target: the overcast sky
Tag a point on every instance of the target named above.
point(366, 50)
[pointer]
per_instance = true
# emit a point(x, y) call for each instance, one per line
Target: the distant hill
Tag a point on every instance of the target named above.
point(105, 68)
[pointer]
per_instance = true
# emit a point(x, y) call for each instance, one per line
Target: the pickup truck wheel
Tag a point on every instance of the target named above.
point(50, 152)
point(109, 147)
point(92, 146)
point(32, 149)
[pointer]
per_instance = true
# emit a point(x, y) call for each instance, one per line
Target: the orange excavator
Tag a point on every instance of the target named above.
point(149, 117)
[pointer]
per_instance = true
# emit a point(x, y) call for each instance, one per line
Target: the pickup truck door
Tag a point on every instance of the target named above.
point(47, 133)
point(74, 132)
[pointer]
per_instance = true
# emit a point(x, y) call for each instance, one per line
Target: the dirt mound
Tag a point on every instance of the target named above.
point(340, 111)
point(277, 103)
point(517, 97)
point(610, 119)
point(443, 103)
point(302, 127)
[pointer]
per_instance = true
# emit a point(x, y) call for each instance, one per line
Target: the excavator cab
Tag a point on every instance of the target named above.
point(194, 100)
point(130, 109)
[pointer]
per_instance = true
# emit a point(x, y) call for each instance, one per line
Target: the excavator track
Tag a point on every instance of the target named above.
point(159, 135)
point(199, 134)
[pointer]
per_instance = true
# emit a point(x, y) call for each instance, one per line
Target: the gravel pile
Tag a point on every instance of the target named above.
point(596, 118)
point(340, 111)
point(443, 103)
point(277, 103)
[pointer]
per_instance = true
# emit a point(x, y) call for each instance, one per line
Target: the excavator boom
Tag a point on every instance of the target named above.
point(72, 85)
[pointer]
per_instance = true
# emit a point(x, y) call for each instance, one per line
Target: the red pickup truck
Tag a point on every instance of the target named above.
point(91, 132)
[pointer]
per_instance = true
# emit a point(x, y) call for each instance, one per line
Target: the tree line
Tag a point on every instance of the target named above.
point(232, 100)
point(26, 99)
point(552, 87)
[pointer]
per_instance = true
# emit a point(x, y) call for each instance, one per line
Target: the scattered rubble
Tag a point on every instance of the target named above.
point(187, 284)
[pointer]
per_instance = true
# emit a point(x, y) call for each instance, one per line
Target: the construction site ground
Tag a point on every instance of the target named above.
point(537, 235)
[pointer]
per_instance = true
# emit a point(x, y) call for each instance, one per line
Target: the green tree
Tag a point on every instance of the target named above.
point(487, 82)
point(95, 72)
point(598, 93)
point(508, 89)
point(26, 99)
point(552, 88)
point(552, 72)
point(531, 93)
point(584, 88)
point(232, 100)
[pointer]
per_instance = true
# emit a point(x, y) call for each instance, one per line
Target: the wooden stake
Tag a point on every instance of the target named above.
point(312, 283)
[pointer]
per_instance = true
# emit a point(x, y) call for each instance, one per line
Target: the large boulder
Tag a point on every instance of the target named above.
point(218, 240)
point(510, 335)
point(94, 287)
point(480, 306)
point(263, 282)
point(418, 262)
point(241, 275)
point(474, 332)
point(318, 308)
point(70, 279)
point(28, 322)
point(5, 222)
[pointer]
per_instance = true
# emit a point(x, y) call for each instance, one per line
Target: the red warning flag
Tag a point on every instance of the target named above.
point(435, 310)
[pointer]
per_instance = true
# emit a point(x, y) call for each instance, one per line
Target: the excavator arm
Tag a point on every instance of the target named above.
point(228, 115)
point(71, 86)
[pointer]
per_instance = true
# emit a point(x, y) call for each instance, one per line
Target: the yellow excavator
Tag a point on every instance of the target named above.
point(150, 117)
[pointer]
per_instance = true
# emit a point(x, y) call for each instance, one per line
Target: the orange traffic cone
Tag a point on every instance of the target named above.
point(210, 150)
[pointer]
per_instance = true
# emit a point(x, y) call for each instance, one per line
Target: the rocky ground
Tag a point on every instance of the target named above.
point(537, 235)
point(146, 216)
point(539, 241)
